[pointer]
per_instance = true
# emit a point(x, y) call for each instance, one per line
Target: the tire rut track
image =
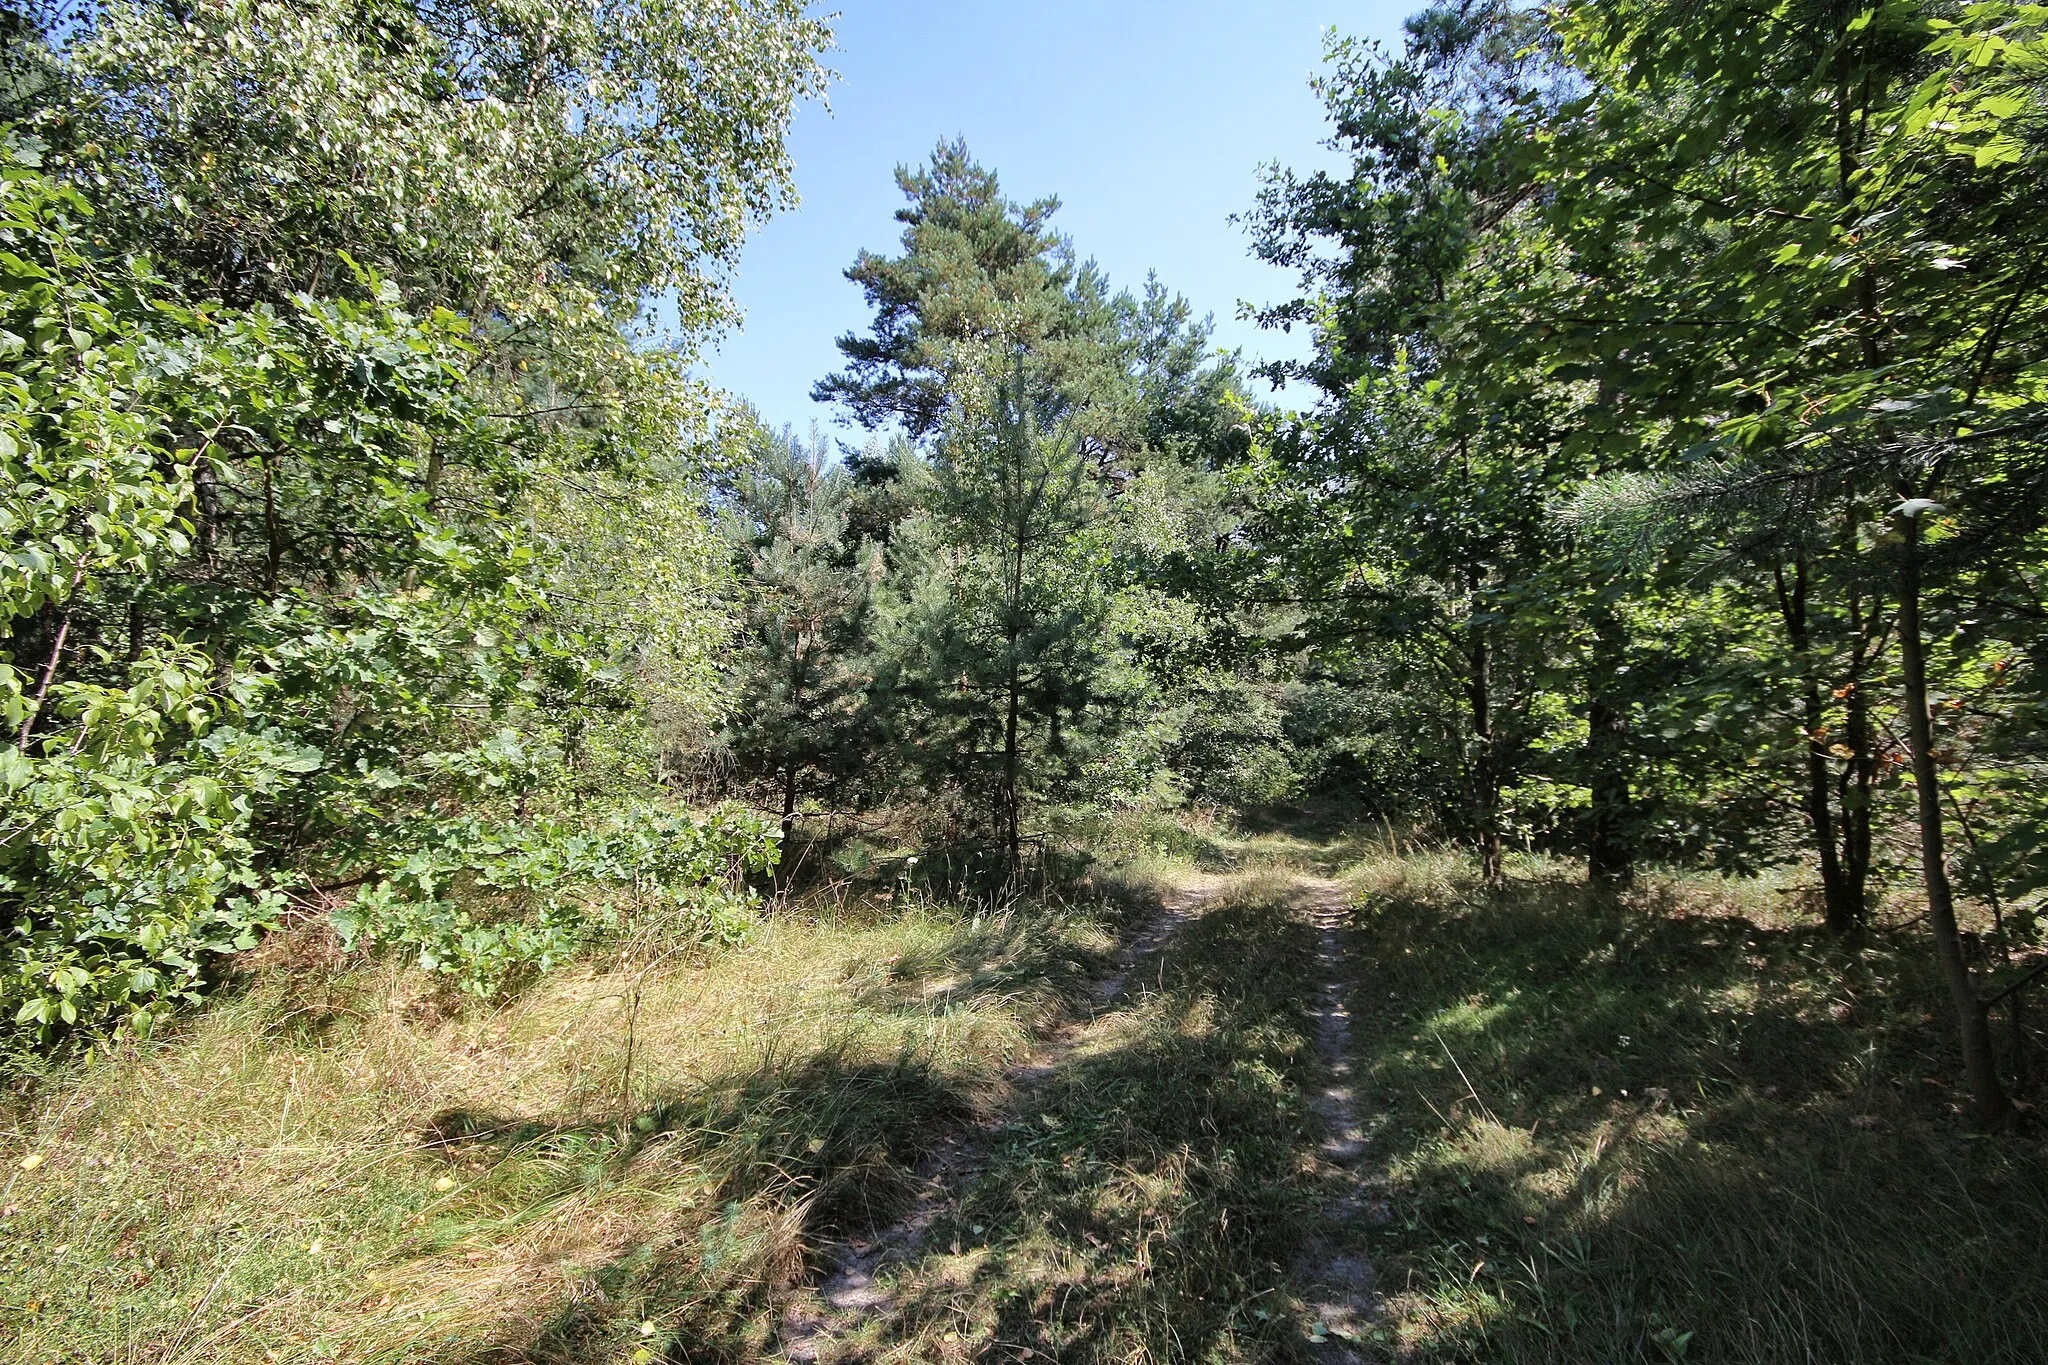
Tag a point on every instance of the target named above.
point(1338, 1282)
point(850, 1291)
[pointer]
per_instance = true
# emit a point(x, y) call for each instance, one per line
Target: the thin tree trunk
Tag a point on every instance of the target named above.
point(273, 529)
point(1610, 859)
point(1019, 530)
point(788, 810)
point(1610, 851)
point(433, 490)
point(436, 462)
point(1485, 777)
point(35, 708)
point(1859, 783)
point(1843, 904)
point(1987, 1092)
point(1012, 833)
point(1852, 118)
point(798, 674)
point(1842, 897)
point(788, 798)
point(206, 497)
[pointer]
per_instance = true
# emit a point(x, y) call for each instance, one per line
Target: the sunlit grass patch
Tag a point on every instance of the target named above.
point(1658, 1127)
point(1470, 1017)
point(1152, 846)
point(634, 1155)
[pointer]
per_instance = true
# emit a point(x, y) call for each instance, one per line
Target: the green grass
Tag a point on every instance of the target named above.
point(329, 1164)
point(1170, 845)
point(1654, 1130)
point(1149, 1200)
point(1681, 1125)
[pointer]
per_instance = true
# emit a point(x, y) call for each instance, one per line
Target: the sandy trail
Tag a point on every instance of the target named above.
point(1338, 1283)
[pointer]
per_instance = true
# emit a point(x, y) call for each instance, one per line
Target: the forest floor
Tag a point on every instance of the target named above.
point(1229, 1098)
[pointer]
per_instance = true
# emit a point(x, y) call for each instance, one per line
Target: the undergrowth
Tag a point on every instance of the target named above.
point(1652, 1129)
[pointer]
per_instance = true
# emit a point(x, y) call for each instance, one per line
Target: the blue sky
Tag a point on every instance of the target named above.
point(1147, 119)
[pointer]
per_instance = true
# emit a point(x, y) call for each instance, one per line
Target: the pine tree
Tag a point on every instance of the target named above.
point(996, 626)
point(797, 679)
point(974, 265)
point(1025, 612)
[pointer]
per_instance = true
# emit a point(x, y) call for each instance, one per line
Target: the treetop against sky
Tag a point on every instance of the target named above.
point(1149, 120)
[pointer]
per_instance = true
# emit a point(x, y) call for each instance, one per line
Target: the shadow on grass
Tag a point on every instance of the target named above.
point(1147, 1202)
point(801, 1151)
point(767, 1164)
point(1619, 1132)
point(1038, 952)
point(828, 1129)
point(1033, 959)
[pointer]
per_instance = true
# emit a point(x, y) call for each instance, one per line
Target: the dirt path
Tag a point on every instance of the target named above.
point(850, 1292)
point(1339, 1282)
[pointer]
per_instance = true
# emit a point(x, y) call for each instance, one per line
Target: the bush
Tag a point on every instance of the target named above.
point(125, 852)
point(272, 606)
point(484, 901)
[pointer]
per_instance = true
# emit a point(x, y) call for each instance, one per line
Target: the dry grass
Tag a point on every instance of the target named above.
point(328, 1164)
point(1679, 1125)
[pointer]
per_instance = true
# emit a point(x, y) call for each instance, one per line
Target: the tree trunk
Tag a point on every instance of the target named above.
point(50, 666)
point(1842, 902)
point(1485, 774)
point(1987, 1092)
point(1858, 789)
point(1853, 101)
point(798, 676)
point(1859, 783)
point(1610, 857)
point(788, 798)
point(1013, 701)
point(206, 509)
point(273, 529)
point(1012, 832)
